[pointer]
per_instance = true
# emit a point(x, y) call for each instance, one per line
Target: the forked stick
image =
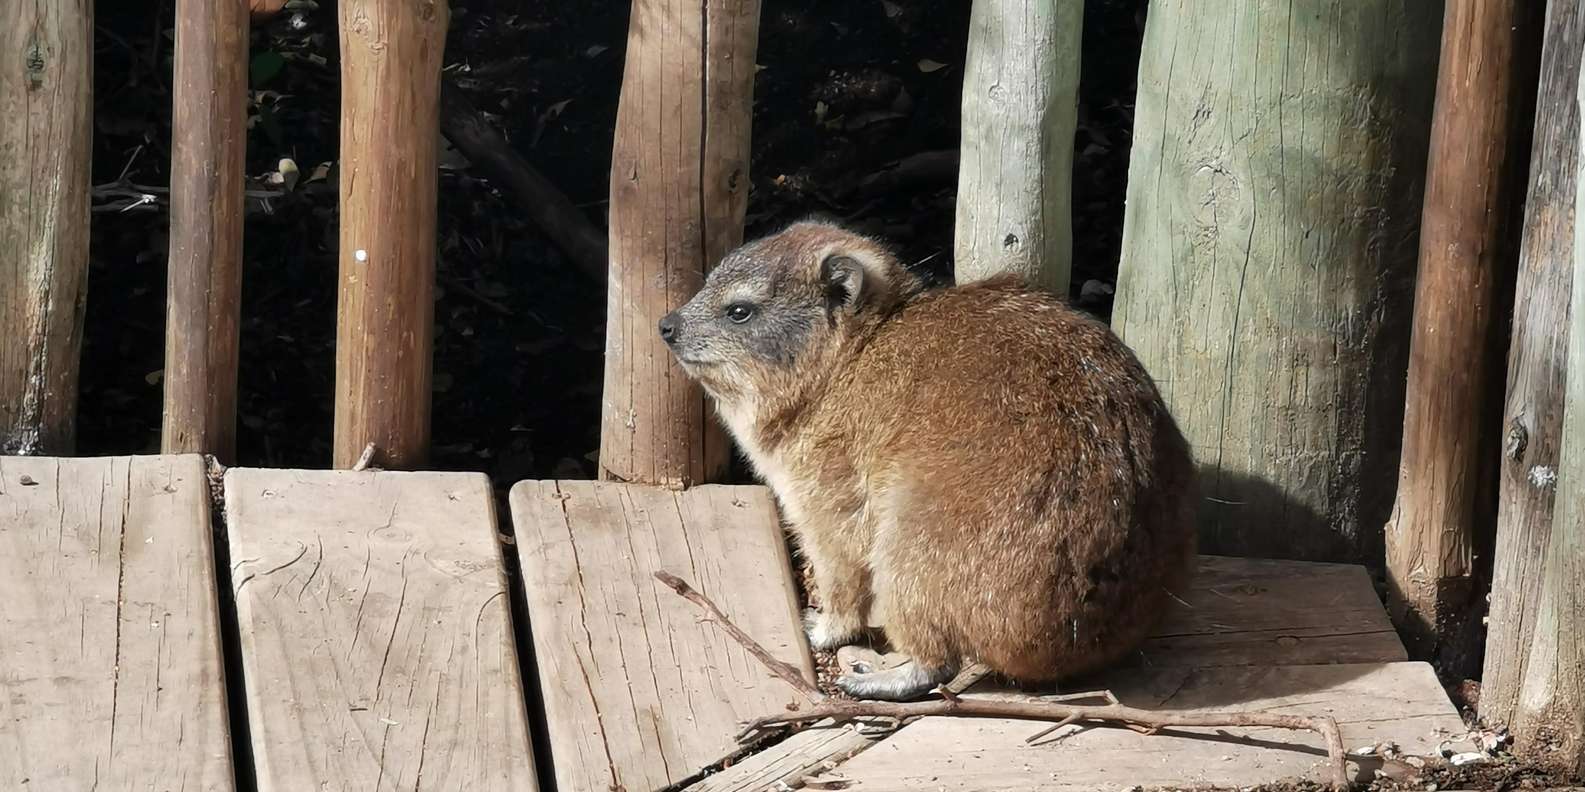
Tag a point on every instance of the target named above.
point(1150, 721)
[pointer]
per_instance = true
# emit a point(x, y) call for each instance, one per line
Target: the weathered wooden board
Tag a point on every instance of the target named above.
point(1376, 702)
point(807, 753)
point(640, 690)
point(110, 661)
point(1250, 611)
point(376, 632)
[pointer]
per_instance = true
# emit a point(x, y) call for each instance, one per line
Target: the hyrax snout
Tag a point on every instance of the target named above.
point(992, 471)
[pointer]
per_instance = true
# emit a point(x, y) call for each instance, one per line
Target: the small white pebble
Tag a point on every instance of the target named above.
point(361, 255)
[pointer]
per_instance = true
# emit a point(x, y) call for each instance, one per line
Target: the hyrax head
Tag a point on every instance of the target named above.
point(781, 305)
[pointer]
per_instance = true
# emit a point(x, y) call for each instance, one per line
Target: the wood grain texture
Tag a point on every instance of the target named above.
point(376, 632)
point(1255, 612)
point(1485, 102)
point(1401, 702)
point(1549, 723)
point(1537, 360)
point(679, 191)
point(390, 138)
point(46, 138)
point(1020, 112)
point(109, 629)
point(1269, 244)
point(807, 753)
point(203, 305)
point(640, 691)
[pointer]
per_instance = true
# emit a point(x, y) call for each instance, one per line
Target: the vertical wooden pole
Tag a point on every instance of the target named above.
point(679, 190)
point(1269, 245)
point(46, 134)
point(1020, 111)
point(209, 136)
point(390, 132)
point(1549, 724)
point(1476, 172)
point(1534, 408)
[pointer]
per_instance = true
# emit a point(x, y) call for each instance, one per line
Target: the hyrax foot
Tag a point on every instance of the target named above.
point(899, 683)
point(830, 630)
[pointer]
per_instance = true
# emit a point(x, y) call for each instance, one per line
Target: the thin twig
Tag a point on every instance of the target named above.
point(842, 711)
point(365, 458)
point(782, 670)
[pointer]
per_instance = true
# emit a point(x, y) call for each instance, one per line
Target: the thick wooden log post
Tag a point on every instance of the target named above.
point(390, 134)
point(208, 141)
point(1268, 253)
point(1474, 179)
point(46, 134)
point(679, 190)
point(1020, 111)
point(1533, 411)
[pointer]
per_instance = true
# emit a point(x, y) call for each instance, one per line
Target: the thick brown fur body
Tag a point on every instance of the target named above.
point(990, 470)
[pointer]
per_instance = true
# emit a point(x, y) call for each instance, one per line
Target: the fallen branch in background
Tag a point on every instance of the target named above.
point(925, 169)
point(1148, 721)
point(549, 209)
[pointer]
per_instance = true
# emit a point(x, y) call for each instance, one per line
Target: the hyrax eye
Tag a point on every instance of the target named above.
point(739, 312)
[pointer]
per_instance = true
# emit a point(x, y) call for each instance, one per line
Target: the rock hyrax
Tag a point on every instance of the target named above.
point(992, 471)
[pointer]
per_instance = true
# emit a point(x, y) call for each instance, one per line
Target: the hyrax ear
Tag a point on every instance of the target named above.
point(843, 277)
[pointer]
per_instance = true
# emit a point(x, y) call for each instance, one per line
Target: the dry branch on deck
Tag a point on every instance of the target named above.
point(843, 711)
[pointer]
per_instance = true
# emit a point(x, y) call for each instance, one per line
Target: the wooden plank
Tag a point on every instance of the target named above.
point(1375, 702)
point(1250, 611)
point(109, 630)
point(640, 691)
point(376, 632)
point(806, 753)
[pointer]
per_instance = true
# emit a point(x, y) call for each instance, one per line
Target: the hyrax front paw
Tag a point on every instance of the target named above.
point(901, 683)
point(830, 631)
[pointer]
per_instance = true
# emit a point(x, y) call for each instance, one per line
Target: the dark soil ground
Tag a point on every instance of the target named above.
point(847, 86)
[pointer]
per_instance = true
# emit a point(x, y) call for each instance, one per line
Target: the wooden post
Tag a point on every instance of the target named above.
point(46, 134)
point(208, 141)
point(1268, 253)
point(1020, 111)
point(1534, 408)
point(679, 190)
point(390, 134)
point(1549, 721)
point(1479, 148)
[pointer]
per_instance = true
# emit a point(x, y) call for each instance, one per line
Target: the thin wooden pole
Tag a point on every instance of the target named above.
point(1534, 408)
point(390, 127)
point(1020, 111)
point(679, 190)
point(1476, 172)
point(46, 134)
point(209, 137)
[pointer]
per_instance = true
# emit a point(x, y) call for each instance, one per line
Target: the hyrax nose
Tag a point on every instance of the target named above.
point(668, 327)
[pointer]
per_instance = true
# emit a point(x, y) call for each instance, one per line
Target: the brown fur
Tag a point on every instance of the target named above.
point(992, 470)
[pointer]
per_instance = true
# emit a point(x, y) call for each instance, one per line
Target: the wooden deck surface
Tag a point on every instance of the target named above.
point(374, 631)
point(1238, 613)
point(643, 690)
point(1372, 702)
point(110, 661)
